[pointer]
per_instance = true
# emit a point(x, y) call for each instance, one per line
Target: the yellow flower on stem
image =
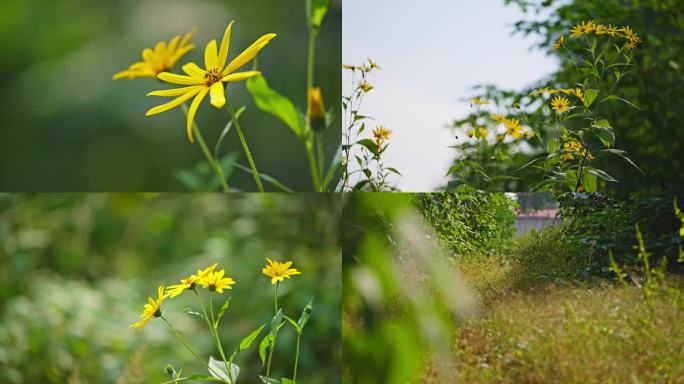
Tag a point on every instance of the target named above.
point(500, 137)
point(471, 133)
point(316, 109)
point(559, 43)
point(478, 101)
point(482, 132)
point(560, 104)
point(498, 118)
point(200, 82)
point(365, 86)
point(582, 28)
point(151, 309)
point(278, 271)
point(380, 135)
point(189, 282)
point(162, 58)
point(513, 128)
point(214, 281)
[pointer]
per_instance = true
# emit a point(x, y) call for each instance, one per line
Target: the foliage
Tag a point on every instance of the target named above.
point(367, 172)
point(469, 222)
point(599, 223)
point(98, 254)
point(569, 131)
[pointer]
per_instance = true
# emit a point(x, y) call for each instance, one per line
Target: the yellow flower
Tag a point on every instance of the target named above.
point(612, 31)
point(316, 109)
point(373, 64)
point(632, 38)
point(478, 101)
point(349, 67)
point(209, 80)
point(500, 137)
point(278, 271)
point(162, 58)
point(601, 29)
point(380, 134)
point(560, 104)
point(498, 118)
point(580, 95)
point(471, 133)
point(151, 309)
point(582, 28)
point(528, 134)
point(365, 86)
point(513, 128)
point(214, 281)
point(572, 148)
point(483, 132)
point(189, 282)
point(559, 43)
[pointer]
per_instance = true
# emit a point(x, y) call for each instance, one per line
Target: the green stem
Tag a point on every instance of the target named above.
point(212, 162)
point(185, 343)
point(214, 331)
point(314, 157)
point(255, 173)
point(270, 353)
point(313, 165)
point(321, 157)
point(294, 375)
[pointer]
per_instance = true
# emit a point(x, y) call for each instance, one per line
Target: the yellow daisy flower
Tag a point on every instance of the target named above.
point(189, 282)
point(513, 128)
point(500, 137)
point(559, 43)
point(162, 58)
point(471, 133)
point(365, 86)
point(214, 281)
point(151, 309)
point(612, 31)
point(482, 132)
point(498, 118)
point(478, 101)
point(582, 28)
point(380, 135)
point(560, 104)
point(201, 82)
point(278, 271)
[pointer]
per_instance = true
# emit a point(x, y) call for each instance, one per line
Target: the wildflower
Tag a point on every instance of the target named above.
point(498, 118)
point(573, 148)
point(349, 67)
point(482, 132)
point(601, 29)
point(316, 109)
point(162, 58)
point(201, 82)
point(612, 31)
point(560, 105)
point(582, 28)
point(478, 101)
point(579, 94)
point(513, 128)
point(528, 134)
point(365, 86)
point(151, 309)
point(559, 43)
point(380, 135)
point(632, 38)
point(214, 281)
point(189, 282)
point(500, 137)
point(278, 271)
point(373, 65)
point(471, 133)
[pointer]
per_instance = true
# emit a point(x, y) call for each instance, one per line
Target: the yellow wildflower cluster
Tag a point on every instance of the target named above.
point(480, 132)
point(560, 105)
point(365, 86)
point(589, 27)
point(513, 128)
point(478, 101)
point(577, 92)
point(574, 149)
point(380, 135)
point(161, 59)
point(210, 279)
point(366, 67)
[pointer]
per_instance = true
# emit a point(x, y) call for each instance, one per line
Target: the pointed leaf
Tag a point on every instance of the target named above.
point(601, 174)
point(247, 341)
point(263, 347)
point(268, 100)
point(589, 97)
point(270, 380)
point(222, 311)
point(320, 8)
point(306, 314)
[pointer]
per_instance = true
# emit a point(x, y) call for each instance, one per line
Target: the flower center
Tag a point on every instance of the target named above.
point(213, 76)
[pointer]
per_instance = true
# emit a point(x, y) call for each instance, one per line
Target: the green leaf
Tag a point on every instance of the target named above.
point(571, 179)
point(267, 178)
point(222, 311)
point(369, 144)
point(623, 154)
point(614, 97)
point(306, 314)
point(293, 323)
point(332, 169)
point(286, 381)
point(225, 131)
point(604, 132)
point(393, 170)
point(590, 183)
point(191, 312)
point(247, 341)
point(217, 369)
point(275, 322)
point(589, 97)
point(320, 8)
point(265, 343)
point(601, 174)
point(193, 378)
point(270, 380)
point(274, 103)
point(190, 180)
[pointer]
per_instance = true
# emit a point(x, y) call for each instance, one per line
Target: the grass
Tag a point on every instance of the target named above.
point(541, 324)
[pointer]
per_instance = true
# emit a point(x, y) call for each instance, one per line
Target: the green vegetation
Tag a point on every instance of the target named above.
point(76, 269)
point(549, 306)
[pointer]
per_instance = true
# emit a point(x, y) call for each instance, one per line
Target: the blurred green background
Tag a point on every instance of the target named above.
point(68, 127)
point(76, 269)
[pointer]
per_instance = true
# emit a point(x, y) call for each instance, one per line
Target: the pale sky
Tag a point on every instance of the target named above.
point(431, 57)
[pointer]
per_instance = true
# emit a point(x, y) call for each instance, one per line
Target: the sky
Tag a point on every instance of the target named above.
point(431, 57)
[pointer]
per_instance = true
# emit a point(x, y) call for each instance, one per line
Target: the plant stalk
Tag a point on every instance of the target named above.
point(212, 162)
point(255, 173)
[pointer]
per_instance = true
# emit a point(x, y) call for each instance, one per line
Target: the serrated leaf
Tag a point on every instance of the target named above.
point(270, 101)
point(247, 341)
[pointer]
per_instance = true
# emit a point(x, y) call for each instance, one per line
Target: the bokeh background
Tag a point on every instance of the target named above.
point(68, 127)
point(76, 269)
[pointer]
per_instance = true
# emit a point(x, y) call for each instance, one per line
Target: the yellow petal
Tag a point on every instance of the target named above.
point(194, 70)
point(174, 92)
point(173, 103)
point(173, 44)
point(193, 110)
point(160, 48)
point(210, 55)
point(249, 53)
point(241, 75)
point(179, 79)
point(225, 44)
point(122, 75)
point(182, 51)
point(186, 38)
point(218, 97)
point(148, 54)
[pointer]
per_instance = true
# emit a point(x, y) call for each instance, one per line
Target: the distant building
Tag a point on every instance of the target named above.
point(527, 221)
